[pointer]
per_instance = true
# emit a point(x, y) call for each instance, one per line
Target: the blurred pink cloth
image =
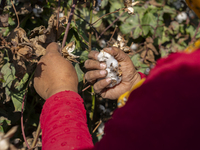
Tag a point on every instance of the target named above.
point(162, 114)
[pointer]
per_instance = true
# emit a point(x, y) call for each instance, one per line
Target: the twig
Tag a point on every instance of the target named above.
point(57, 21)
point(69, 22)
point(113, 34)
point(15, 14)
point(99, 134)
point(90, 34)
point(36, 136)
point(97, 126)
point(86, 88)
point(110, 26)
point(106, 15)
point(2, 5)
point(22, 124)
point(194, 37)
point(22, 110)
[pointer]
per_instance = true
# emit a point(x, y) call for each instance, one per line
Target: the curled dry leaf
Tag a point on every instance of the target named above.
point(43, 36)
point(4, 20)
point(25, 51)
point(121, 43)
point(26, 9)
point(18, 35)
point(148, 56)
point(149, 45)
point(129, 6)
point(67, 52)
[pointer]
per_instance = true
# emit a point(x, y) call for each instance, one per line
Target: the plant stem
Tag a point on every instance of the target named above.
point(22, 110)
point(68, 24)
point(57, 21)
point(92, 89)
point(90, 34)
point(92, 109)
point(36, 136)
point(16, 14)
point(110, 26)
point(106, 15)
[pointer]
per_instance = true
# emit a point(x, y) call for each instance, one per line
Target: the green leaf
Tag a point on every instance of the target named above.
point(8, 72)
point(79, 72)
point(136, 60)
point(148, 20)
point(84, 56)
point(21, 84)
point(80, 30)
point(175, 26)
point(190, 30)
point(17, 99)
point(10, 21)
point(137, 32)
point(104, 3)
point(131, 23)
point(169, 10)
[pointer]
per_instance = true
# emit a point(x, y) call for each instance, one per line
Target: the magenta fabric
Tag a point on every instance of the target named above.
point(64, 123)
point(142, 75)
point(162, 114)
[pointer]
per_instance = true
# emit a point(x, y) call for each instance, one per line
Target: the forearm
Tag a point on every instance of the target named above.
point(64, 123)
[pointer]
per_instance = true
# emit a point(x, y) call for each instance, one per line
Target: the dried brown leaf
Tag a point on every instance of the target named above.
point(4, 20)
point(152, 47)
point(18, 35)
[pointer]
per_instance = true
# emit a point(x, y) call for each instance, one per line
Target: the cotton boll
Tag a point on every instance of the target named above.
point(130, 10)
point(102, 43)
point(101, 128)
point(61, 15)
point(134, 46)
point(111, 67)
point(37, 10)
point(181, 17)
point(4, 143)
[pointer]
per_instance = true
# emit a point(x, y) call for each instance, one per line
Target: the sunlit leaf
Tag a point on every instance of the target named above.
point(79, 72)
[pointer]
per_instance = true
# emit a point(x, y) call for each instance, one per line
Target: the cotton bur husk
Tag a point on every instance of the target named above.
point(112, 68)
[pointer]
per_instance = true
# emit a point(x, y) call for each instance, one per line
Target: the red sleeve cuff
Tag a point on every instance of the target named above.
point(64, 123)
point(142, 75)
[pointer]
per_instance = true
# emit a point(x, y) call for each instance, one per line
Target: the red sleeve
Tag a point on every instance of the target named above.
point(64, 123)
point(142, 75)
point(163, 113)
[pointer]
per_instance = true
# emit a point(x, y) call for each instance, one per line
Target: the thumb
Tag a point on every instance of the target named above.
point(117, 53)
point(53, 48)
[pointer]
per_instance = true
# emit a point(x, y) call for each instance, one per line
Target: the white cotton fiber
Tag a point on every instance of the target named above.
point(111, 67)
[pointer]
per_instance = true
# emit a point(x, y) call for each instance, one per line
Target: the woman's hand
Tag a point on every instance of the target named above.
point(97, 71)
point(54, 74)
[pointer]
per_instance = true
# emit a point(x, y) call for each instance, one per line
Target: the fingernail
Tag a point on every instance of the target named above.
point(108, 48)
point(108, 80)
point(103, 72)
point(102, 65)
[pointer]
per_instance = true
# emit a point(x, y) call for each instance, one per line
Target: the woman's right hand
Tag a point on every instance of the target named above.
point(96, 70)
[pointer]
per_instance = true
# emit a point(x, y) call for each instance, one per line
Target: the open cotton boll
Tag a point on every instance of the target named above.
point(111, 67)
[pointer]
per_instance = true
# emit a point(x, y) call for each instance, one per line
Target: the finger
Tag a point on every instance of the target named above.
point(53, 47)
point(118, 54)
point(93, 64)
point(101, 85)
point(92, 76)
point(93, 55)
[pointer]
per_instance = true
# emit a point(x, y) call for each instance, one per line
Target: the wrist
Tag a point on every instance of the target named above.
point(136, 79)
point(51, 91)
